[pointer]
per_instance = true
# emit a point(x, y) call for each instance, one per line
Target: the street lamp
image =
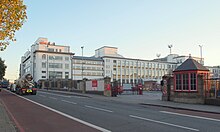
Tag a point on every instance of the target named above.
point(137, 72)
point(200, 46)
point(53, 72)
point(170, 46)
point(158, 56)
point(82, 61)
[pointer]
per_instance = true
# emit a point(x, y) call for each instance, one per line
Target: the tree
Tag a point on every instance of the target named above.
point(12, 17)
point(2, 68)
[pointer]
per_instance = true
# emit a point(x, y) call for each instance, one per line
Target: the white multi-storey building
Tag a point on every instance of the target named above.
point(87, 67)
point(47, 60)
point(128, 70)
point(214, 71)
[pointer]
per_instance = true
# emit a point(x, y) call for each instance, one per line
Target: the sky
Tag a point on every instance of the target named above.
point(140, 29)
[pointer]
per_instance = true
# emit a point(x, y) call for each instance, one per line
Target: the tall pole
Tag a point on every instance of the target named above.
point(158, 56)
point(82, 61)
point(54, 72)
point(170, 46)
point(137, 73)
point(200, 46)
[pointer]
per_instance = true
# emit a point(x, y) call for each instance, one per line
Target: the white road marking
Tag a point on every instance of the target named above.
point(96, 108)
point(42, 95)
point(53, 98)
point(77, 97)
point(55, 94)
point(199, 117)
point(69, 102)
point(165, 123)
point(68, 116)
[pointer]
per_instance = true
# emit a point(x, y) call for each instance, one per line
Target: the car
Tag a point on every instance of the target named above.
point(13, 87)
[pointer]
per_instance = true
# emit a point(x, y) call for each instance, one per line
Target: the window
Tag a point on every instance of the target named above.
point(58, 58)
point(50, 49)
point(185, 82)
point(56, 65)
point(66, 75)
point(43, 64)
point(114, 61)
point(107, 60)
point(55, 58)
point(78, 67)
point(108, 66)
point(66, 66)
point(99, 63)
point(99, 68)
point(60, 50)
point(51, 57)
point(59, 74)
point(193, 81)
point(43, 57)
point(107, 72)
point(66, 58)
point(43, 71)
point(43, 77)
point(178, 82)
point(54, 74)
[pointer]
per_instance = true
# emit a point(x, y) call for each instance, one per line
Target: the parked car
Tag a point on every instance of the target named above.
point(13, 87)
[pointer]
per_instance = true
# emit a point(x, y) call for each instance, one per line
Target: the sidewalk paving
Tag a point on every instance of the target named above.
point(6, 125)
point(152, 99)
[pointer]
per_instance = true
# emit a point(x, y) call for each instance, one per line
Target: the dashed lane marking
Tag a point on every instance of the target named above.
point(96, 108)
point(66, 101)
point(164, 123)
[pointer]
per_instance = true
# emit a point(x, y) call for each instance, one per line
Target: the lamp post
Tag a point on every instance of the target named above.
point(82, 61)
point(53, 72)
point(158, 56)
point(170, 46)
point(200, 46)
point(137, 73)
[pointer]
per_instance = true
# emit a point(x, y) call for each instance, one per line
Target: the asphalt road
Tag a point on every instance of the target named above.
point(108, 115)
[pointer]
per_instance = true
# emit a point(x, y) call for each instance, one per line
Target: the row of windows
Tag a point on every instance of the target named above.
point(88, 68)
point(53, 50)
point(56, 75)
point(131, 69)
point(90, 74)
point(142, 64)
point(59, 58)
point(55, 65)
point(89, 62)
point(186, 82)
point(137, 71)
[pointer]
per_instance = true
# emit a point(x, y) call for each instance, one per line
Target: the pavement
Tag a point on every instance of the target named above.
point(6, 125)
point(152, 98)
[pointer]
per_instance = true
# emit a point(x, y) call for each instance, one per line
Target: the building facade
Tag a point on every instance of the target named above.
point(47, 60)
point(87, 67)
point(129, 70)
point(214, 71)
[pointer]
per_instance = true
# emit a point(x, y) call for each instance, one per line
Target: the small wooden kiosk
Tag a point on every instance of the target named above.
point(190, 82)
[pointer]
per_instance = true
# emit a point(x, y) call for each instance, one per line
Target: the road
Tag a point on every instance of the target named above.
point(103, 114)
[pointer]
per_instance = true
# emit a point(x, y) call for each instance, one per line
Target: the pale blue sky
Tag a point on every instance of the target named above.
point(139, 28)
